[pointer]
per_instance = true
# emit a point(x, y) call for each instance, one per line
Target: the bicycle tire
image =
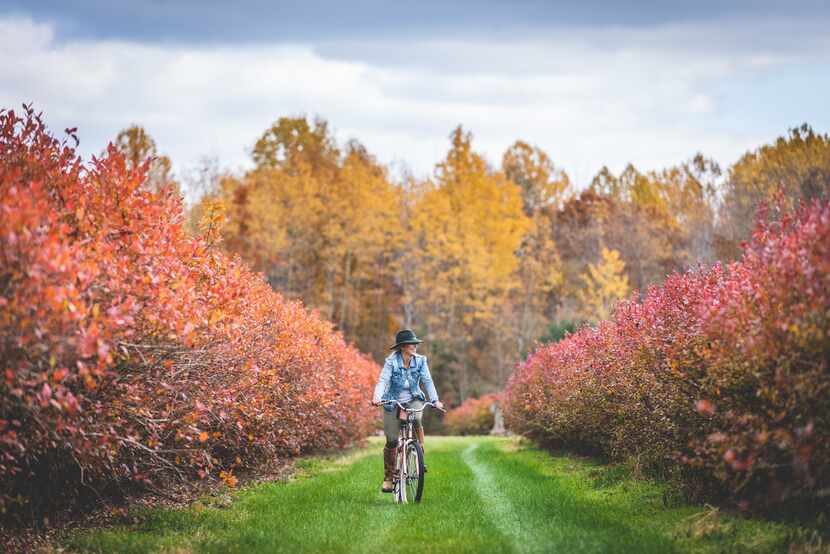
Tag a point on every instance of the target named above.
point(414, 471)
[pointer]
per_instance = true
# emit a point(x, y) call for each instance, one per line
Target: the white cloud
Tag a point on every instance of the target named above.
point(589, 98)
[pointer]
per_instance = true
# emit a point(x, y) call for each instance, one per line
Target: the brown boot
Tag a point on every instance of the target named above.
point(419, 434)
point(388, 469)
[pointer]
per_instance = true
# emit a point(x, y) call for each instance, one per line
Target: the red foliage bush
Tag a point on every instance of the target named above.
point(131, 351)
point(473, 417)
point(723, 371)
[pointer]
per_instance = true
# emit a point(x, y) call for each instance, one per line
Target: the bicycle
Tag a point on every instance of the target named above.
point(409, 461)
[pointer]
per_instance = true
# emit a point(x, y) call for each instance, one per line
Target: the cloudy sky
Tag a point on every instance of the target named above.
point(591, 82)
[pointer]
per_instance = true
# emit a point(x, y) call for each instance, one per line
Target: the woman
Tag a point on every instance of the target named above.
point(400, 380)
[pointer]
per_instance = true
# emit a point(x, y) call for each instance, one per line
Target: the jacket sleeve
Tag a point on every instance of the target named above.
point(426, 378)
point(383, 381)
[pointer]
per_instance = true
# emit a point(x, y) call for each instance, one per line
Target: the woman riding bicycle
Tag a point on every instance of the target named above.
point(400, 380)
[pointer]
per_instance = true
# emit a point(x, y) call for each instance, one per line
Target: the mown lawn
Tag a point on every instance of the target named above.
point(482, 494)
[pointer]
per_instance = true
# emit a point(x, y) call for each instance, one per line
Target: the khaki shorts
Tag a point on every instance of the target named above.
point(391, 423)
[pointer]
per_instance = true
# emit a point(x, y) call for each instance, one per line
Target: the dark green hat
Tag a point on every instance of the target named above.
point(407, 336)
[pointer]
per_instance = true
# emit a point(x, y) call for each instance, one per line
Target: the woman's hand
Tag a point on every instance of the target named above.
point(439, 404)
point(373, 403)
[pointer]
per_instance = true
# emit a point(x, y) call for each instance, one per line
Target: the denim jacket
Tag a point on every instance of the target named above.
point(393, 376)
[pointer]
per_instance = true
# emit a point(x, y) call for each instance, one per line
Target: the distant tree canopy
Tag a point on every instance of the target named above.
point(483, 261)
point(322, 224)
point(793, 169)
point(138, 146)
point(605, 284)
point(293, 145)
point(543, 184)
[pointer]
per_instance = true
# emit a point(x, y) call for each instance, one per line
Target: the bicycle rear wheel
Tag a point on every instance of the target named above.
point(414, 471)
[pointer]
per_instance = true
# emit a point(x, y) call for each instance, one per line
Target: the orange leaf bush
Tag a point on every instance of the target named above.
point(473, 417)
point(132, 352)
point(718, 378)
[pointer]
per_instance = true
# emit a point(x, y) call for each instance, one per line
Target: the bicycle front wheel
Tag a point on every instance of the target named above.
point(400, 475)
point(414, 471)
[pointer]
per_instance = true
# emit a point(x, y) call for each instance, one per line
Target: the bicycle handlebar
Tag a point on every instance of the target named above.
point(402, 407)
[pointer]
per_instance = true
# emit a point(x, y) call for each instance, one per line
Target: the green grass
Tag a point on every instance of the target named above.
point(482, 494)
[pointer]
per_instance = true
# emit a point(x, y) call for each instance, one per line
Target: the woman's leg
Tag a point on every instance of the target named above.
point(390, 429)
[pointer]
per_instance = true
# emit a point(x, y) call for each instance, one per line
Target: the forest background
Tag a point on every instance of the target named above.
point(484, 261)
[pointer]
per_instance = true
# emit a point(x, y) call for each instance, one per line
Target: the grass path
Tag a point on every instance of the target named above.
point(482, 494)
point(523, 537)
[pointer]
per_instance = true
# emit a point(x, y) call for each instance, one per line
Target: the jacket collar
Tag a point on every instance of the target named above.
point(399, 360)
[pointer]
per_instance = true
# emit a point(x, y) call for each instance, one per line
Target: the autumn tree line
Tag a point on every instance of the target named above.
point(484, 261)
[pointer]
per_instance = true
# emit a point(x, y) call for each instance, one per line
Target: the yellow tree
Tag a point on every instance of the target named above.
point(321, 224)
point(543, 184)
point(274, 220)
point(605, 284)
point(637, 189)
point(579, 231)
point(362, 231)
point(539, 272)
point(138, 146)
point(540, 276)
point(292, 143)
point(467, 226)
point(278, 213)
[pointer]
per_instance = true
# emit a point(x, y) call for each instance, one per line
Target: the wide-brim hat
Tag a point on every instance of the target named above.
point(407, 336)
